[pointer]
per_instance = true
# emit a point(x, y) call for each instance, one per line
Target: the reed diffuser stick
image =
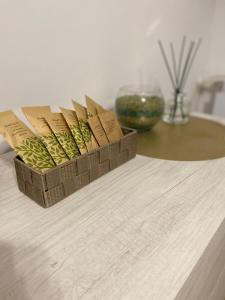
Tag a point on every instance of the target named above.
point(166, 63)
point(181, 57)
point(174, 63)
point(195, 51)
point(178, 72)
point(186, 64)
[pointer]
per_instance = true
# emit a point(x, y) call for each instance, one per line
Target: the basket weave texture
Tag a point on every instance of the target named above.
point(56, 184)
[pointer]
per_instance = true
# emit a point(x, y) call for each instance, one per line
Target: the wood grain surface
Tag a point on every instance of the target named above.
point(150, 229)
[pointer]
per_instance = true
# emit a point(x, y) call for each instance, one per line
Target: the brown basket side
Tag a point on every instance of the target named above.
point(29, 182)
point(56, 184)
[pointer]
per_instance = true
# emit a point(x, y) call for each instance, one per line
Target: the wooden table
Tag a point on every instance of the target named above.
point(151, 229)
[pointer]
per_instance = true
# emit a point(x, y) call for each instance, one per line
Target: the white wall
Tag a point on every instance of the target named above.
point(52, 50)
point(216, 62)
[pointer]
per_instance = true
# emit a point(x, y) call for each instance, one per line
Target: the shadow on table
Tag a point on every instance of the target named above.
point(13, 283)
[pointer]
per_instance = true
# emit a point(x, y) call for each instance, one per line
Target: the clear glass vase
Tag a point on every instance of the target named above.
point(177, 110)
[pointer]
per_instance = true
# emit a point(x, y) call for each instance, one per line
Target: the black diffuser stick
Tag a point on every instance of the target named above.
point(174, 63)
point(181, 58)
point(186, 63)
point(166, 63)
point(195, 51)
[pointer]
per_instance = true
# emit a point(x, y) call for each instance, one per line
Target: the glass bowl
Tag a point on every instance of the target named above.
point(139, 106)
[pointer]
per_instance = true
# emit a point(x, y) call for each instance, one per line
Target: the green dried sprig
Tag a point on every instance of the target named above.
point(68, 144)
point(34, 154)
point(85, 131)
point(76, 132)
point(54, 148)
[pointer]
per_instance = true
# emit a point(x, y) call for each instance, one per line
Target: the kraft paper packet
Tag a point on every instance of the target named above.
point(111, 125)
point(88, 137)
point(26, 144)
point(93, 108)
point(72, 121)
point(63, 134)
point(35, 115)
point(94, 122)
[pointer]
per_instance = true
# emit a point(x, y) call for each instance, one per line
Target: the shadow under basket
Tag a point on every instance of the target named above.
point(61, 181)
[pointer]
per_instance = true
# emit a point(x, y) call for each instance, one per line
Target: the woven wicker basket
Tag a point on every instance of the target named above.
point(54, 185)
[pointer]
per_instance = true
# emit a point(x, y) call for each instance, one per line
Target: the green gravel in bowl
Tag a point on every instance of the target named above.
point(138, 111)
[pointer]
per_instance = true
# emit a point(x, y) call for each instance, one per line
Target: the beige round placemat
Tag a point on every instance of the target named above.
point(200, 139)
